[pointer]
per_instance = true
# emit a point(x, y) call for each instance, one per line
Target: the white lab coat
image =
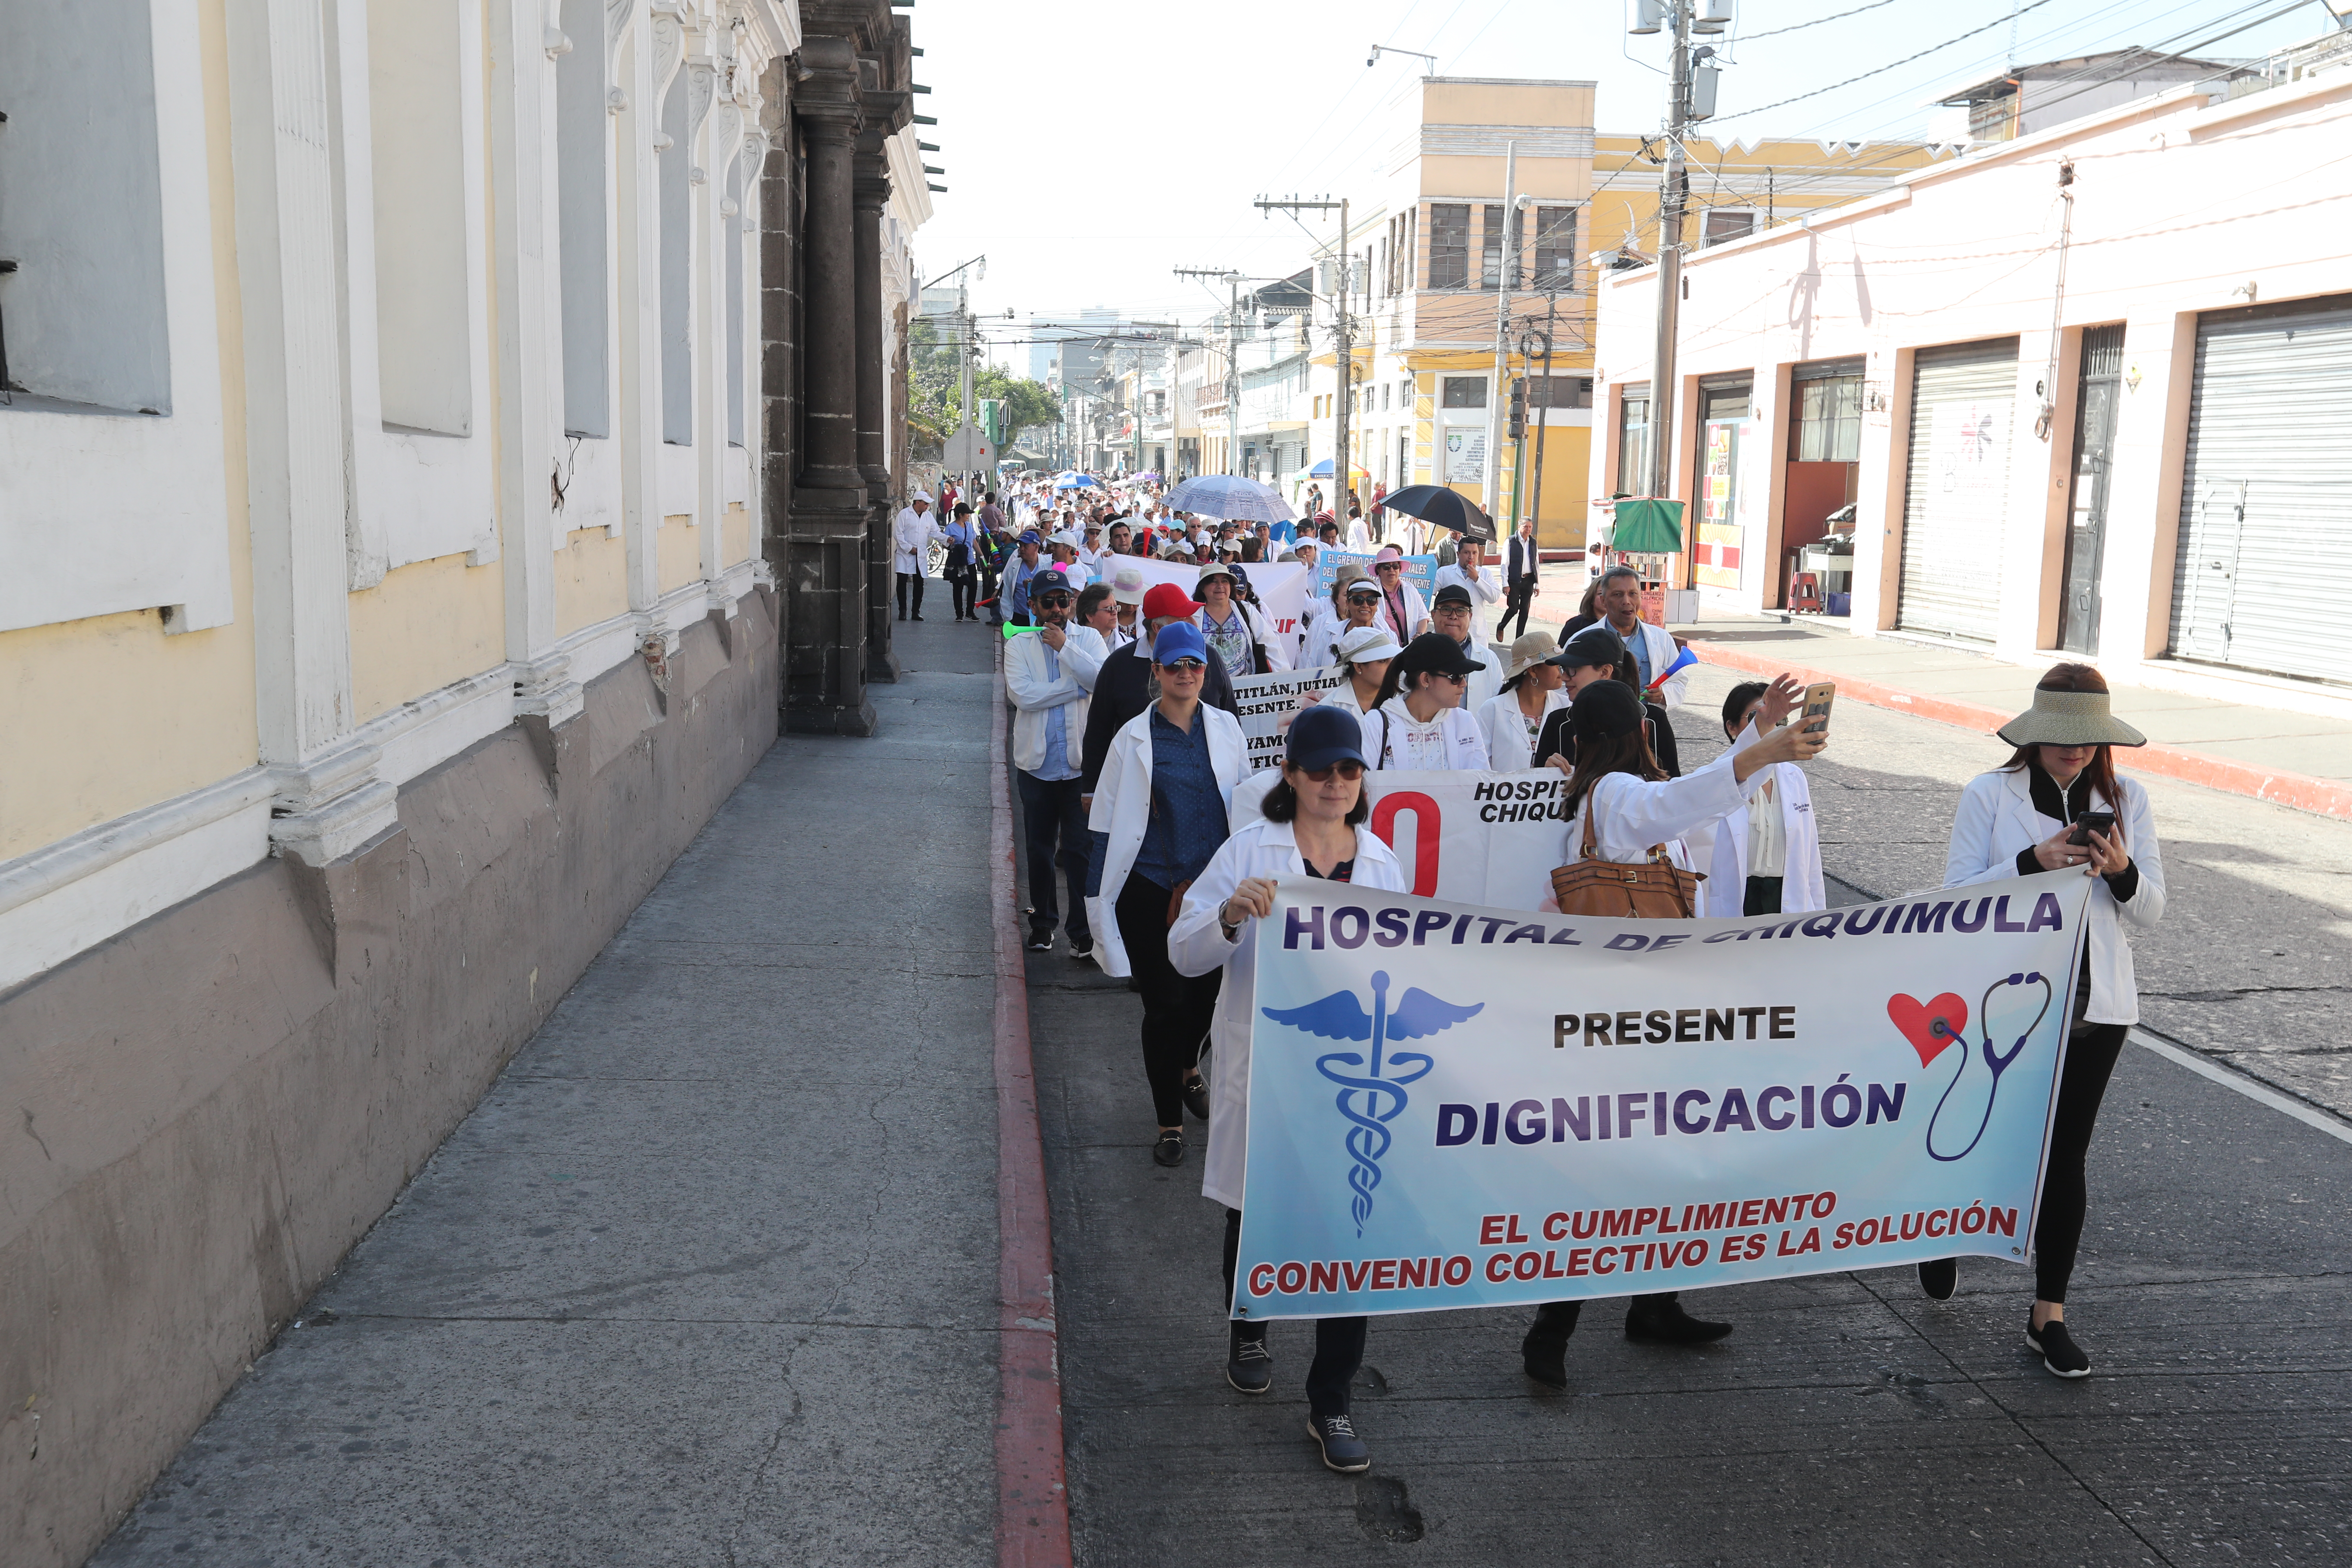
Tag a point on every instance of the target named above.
point(1631, 815)
point(1122, 810)
point(1485, 684)
point(1485, 591)
point(1395, 739)
point(1509, 747)
point(1725, 860)
point(1415, 612)
point(1659, 647)
point(911, 536)
point(1358, 534)
point(1197, 944)
point(1997, 819)
point(1034, 693)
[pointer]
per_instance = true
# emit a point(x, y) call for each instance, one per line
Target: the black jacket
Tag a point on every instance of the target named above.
point(1519, 560)
point(1123, 689)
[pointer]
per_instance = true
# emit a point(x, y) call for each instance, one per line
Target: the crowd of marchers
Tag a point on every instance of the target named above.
point(1153, 850)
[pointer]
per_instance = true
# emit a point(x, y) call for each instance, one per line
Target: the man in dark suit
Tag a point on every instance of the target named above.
point(1123, 684)
point(1518, 580)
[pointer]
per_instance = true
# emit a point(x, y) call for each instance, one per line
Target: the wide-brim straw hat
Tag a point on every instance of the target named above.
point(2070, 719)
point(1531, 650)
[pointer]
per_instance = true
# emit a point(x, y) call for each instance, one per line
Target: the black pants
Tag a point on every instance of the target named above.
point(1050, 811)
point(1518, 599)
point(988, 582)
point(2090, 1055)
point(1763, 896)
point(1177, 1008)
point(904, 579)
point(962, 590)
point(1339, 1342)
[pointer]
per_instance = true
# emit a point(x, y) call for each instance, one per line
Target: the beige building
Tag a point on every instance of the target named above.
point(1435, 242)
point(390, 500)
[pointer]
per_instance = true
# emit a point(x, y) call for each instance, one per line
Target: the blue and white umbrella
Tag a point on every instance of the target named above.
point(1231, 498)
point(1075, 482)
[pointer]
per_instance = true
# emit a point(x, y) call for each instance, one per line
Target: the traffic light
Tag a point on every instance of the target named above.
point(1518, 425)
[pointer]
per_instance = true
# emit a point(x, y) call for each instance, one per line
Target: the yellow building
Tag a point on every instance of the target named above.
point(1432, 247)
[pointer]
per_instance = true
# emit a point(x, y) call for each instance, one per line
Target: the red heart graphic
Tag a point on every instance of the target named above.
point(1932, 1027)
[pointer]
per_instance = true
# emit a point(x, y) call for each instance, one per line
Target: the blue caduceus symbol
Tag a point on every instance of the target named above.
point(1373, 1094)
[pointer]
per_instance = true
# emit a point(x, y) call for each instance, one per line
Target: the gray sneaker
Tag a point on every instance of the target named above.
point(1342, 1450)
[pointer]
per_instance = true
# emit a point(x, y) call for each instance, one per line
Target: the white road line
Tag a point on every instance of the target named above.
point(2230, 1078)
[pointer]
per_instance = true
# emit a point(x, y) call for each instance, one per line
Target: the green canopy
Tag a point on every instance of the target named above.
point(1648, 527)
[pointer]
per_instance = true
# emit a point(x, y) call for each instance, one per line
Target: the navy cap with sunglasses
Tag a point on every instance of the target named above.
point(1322, 736)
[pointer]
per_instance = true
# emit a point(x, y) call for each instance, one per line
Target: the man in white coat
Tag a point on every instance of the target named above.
point(1482, 582)
point(1653, 649)
point(912, 533)
point(1048, 674)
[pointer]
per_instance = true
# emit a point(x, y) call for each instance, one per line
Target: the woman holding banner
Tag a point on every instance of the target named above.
point(1534, 687)
point(1314, 826)
point(1400, 602)
point(1766, 860)
point(1623, 809)
point(2055, 803)
point(1418, 720)
point(1158, 814)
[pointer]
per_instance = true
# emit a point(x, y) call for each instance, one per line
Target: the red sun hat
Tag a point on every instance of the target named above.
point(1166, 601)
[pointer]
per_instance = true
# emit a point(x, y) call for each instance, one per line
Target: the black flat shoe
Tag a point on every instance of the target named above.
point(1170, 1150)
point(1940, 1279)
point(1196, 1097)
point(2060, 1354)
point(1665, 1324)
point(1544, 1352)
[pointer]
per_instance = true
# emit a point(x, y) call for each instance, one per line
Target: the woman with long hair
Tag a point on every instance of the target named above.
point(1766, 860)
point(1160, 812)
point(1314, 828)
point(2025, 817)
point(1633, 813)
point(1417, 719)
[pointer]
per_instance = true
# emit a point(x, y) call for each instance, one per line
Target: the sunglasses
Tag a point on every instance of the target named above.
point(1450, 679)
point(1349, 769)
point(1056, 602)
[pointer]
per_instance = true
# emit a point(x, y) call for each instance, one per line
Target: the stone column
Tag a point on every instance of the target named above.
point(825, 541)
point(872, 184)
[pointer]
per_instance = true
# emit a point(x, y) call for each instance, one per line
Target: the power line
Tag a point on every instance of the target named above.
point(1800, 27)
point(1882, 70)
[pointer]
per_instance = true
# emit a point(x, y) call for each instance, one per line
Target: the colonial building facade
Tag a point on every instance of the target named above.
point(438, 444)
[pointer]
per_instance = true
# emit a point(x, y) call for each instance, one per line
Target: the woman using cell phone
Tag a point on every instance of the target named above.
point(2055, 805)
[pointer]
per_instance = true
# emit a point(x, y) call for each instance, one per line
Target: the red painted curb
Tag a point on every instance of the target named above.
point(1033, 1500)
point(2326, 796)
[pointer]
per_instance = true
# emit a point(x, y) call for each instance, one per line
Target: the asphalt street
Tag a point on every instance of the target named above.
point(1848, 1419)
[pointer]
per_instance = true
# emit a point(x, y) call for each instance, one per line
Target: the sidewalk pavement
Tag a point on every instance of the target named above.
point(711, 1276)
point(2269, 754)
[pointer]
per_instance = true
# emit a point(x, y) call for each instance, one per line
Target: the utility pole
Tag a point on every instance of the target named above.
point(1343, 462)
point(1507, 263)
point(1674, 189)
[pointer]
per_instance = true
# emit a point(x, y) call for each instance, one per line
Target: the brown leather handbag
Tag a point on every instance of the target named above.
point(1653, 890)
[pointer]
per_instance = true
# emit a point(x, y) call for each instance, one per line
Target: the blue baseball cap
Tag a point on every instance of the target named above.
point(1050, 581)
point(1179, 641)
point(1030, 536)
point(1321, 736)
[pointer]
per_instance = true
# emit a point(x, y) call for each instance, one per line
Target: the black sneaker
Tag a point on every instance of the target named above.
point(1249, 1365)
point(1665, 1324)
point(1940, 1277)
point(1082, 947)
point(1342, 1450)
point(1041, 941)
point(2060, 1354)
point(1170, 1150)
point(1196, 1097)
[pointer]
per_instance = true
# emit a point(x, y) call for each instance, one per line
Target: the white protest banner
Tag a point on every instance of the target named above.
point(1524, 1110)
point(1280, 586)
point(1265, 703)
point(1470, 837)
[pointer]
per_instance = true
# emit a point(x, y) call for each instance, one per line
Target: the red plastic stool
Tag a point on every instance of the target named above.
point(1805, 594)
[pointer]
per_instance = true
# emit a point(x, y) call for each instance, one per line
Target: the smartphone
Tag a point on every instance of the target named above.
point(2101, 822)
point(1818, 698)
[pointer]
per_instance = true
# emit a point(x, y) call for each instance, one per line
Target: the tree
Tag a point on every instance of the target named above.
point(935, 394)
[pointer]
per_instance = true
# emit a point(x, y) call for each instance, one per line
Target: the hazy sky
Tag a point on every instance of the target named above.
point(1091, 147)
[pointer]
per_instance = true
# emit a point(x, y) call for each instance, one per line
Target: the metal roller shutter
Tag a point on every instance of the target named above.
point(2264, 576)
point(1956, 496)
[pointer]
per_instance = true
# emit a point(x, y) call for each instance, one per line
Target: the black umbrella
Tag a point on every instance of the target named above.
point(1444, 508)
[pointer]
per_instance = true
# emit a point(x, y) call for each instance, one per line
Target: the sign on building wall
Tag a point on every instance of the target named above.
point(1466, 454)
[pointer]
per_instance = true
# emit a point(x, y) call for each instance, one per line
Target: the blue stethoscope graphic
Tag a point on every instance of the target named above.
point(2016, 992)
